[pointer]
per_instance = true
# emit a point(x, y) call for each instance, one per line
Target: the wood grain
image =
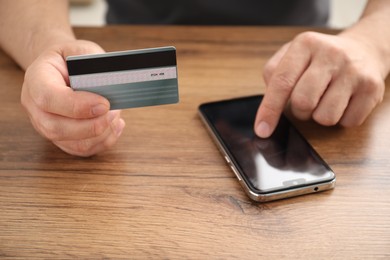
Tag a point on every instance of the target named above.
point(164, 191)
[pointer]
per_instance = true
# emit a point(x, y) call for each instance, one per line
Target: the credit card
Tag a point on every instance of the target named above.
point(135, 78)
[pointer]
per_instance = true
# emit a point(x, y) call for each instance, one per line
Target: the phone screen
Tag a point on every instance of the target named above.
point(285, 160)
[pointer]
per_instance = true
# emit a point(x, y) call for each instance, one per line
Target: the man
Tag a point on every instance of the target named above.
point(332, 79)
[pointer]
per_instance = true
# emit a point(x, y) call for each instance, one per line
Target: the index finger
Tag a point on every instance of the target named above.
point(283, 80)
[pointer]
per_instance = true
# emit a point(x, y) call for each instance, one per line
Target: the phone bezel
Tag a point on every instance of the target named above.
point(251, 191)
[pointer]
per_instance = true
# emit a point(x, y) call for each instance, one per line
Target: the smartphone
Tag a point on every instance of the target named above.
point(280, 166)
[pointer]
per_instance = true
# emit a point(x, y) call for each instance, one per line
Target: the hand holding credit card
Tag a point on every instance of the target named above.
point(135, 78)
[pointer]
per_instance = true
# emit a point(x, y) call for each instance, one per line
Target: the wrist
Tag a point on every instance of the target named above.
point(372, 30)
point(375, 47)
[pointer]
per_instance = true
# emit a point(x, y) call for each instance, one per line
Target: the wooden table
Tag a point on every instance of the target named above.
point(164, 191)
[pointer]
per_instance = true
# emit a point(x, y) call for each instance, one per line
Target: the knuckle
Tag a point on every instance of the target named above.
point(325, 119)
point(98, 127)
point(271, 109)
point(50, 130)
point(78, 148)
point(372, 85)
point(283, 82)
point(353, 119)
point(108, 143)
point(42, 101)
point(303, 103)
point(351, 123)
point(83, 147)
point(337, 53)
point(268, 69)
point(308, 38)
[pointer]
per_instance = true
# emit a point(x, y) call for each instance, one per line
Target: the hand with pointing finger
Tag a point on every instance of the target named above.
point(330, 79)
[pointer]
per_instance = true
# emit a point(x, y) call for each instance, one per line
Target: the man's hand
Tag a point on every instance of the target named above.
point(331, 79)
point(78, 122)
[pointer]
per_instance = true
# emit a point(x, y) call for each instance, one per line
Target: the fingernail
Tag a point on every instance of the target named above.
point(120, 127)
point(111, 115)
point(99, 109)
point(263, 130)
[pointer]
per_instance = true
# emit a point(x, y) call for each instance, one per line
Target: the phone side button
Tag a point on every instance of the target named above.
point(227, 159)
point(235, 172)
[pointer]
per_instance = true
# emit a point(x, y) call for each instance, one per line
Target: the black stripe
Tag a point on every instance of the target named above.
point(122, 62)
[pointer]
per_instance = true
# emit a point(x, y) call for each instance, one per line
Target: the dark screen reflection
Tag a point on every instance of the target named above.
point(280, 161)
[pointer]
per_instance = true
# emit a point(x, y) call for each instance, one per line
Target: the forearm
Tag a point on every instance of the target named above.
point(374, 30)
point(28, 27)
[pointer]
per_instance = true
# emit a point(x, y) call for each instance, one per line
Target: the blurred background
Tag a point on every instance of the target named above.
point(92, 12)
